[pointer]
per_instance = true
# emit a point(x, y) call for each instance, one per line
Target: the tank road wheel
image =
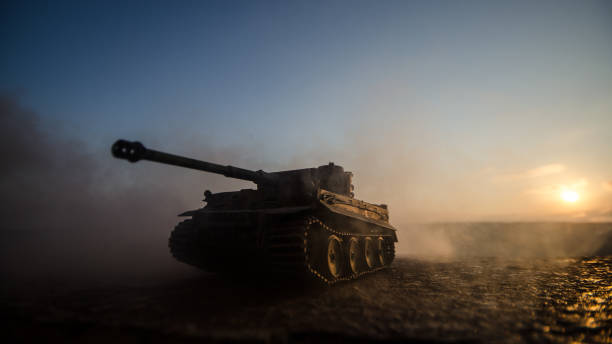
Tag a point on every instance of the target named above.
point(371, 253)
point(355, 255)
point(335, 257)
point(382, 255)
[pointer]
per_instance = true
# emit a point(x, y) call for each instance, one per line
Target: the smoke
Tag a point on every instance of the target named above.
point(445, 199)
point(506, 239)
point(72, 215)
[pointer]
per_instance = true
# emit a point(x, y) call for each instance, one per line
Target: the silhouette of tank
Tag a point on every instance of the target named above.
point(303, 221)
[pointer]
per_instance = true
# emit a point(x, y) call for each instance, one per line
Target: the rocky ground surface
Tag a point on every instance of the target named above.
point(470, 300)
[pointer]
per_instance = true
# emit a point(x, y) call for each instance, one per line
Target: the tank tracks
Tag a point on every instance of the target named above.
point(184, 245)
point(299, 246)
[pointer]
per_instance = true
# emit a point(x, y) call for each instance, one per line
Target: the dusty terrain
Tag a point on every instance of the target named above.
point(477, 300)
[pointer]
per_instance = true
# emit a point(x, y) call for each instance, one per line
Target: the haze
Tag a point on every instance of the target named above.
point(446, 111)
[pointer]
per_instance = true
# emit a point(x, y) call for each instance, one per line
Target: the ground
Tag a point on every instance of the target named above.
point(471, 300)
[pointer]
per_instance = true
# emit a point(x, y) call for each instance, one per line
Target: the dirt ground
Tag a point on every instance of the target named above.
point(480, 300)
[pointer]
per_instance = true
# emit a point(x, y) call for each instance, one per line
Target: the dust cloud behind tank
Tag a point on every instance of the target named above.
point(303, 221)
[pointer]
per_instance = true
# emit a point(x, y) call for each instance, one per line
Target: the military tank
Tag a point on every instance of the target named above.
point(304, 221)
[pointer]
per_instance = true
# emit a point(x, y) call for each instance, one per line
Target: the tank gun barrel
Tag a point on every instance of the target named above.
point(135, 151)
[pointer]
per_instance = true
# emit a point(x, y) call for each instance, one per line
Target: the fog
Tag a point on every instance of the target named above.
point(508, 240)
point(73, 214)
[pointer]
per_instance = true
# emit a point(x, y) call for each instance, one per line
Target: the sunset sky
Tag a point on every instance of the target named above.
point(445, 110)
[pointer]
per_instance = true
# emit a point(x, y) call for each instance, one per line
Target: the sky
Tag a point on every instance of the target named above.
point(445, 110)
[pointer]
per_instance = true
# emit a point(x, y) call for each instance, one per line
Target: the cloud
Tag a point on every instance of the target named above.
point(540, 171)
point(607, 185)
point(555, 189)
point(576, 185)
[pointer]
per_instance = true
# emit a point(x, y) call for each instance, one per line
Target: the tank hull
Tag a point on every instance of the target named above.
point(309, 240)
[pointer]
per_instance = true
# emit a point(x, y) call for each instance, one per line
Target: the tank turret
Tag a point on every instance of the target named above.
point(303, 221)
point(330, 177)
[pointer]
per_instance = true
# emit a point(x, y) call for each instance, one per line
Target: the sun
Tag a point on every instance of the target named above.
point(569, 196)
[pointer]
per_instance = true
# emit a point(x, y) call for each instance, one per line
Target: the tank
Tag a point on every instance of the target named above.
point(303, 222)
